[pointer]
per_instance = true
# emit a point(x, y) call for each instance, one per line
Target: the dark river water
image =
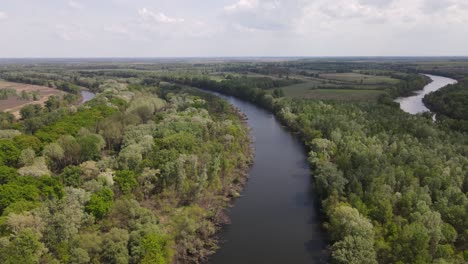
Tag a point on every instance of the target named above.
point(414, 104)
point(275, 220)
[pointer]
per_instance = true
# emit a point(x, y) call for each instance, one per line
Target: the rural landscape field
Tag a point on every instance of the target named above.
point(234, 131)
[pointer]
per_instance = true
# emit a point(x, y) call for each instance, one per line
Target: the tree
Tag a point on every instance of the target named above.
point(29, 111)
point(27, 157)
point(55, 155)
point(278, 92)
point(9, 153)
point(7, 174)
point(21, 248)
point(126, 181)
point(115, 247)
point(157, 249)
point(354, 250)
point(100, 203)
point(64, 218)
point(90, 146)
point(71, 176)
point(52, 103)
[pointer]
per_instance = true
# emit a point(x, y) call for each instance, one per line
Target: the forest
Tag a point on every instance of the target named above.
point(451, 103)
point(137, 175)
point(143, 171)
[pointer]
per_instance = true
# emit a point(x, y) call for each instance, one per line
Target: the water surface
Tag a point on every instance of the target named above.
point(414, 104)
point(87, 96)
point(275, 220)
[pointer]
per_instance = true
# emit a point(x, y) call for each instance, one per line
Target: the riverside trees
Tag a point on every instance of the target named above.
point(130, 177)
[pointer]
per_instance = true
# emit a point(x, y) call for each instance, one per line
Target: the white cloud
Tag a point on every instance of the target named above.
point(242, 5)
point(158, 17)
point(236, 27)
point(117, 29)
point(75, 5)
point(72, 32)
point(3, 15)
point(158, 24)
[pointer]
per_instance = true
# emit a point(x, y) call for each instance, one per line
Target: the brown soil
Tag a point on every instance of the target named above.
point(13, 104)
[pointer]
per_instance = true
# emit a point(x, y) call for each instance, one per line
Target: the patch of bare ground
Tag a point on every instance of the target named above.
point(14, 103)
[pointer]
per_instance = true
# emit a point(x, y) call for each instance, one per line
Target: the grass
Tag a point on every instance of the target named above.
point(353, 77)
point(343, 94)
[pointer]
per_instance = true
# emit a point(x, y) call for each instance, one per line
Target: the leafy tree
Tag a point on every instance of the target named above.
point(29, 111)
point(126, 181)
point(157, 249)
point(71, 176)
point(7, 174)
point(115, 246)
point(27, 157)
point(9, 153)
point(24, 247)
point(354, 250)
point(100, 203)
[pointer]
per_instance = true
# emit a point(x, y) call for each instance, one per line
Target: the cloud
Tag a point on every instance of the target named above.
point(75, 5)
point(242, 5)
point(117, 29)
point(72, 32)
point(158, 24)
point(3, 15)
point(262, 15)
point(158, 17)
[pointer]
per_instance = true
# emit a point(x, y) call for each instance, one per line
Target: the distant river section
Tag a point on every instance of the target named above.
point(414, 104)
point(87, 96)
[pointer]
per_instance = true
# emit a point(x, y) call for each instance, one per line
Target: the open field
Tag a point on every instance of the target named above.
point(14, 103)
point(354, 77)
point(298, 91)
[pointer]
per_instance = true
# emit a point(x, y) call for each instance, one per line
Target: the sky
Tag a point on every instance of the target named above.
point(229, 28)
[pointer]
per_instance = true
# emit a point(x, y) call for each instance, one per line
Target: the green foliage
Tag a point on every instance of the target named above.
point(71, 176)
point(126, 181)
point(100, 203)
point(115, 247)
point(28, 141)
point(451, 101)
point(7, 174)
point(393, 168)
point(30, 111)
point(70, 124)
point(14, 191)
point(24, 247)
point(9, 153)
point(157, 249)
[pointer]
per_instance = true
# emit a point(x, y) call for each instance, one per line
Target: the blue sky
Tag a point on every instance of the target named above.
point(179, 28)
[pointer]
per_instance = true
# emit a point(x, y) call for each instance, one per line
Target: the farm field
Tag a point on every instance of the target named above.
point(14, 103)
point(357, 78)
point(301, 91)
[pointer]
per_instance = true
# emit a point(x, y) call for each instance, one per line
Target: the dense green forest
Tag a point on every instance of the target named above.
point(393, 186)
point(451, 102)
point(143, 170)
point(137, 175)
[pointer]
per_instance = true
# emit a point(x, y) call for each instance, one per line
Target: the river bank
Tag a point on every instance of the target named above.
point(277, 210)
point(414, 104)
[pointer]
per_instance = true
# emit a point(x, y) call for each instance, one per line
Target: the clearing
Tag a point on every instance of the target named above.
point(14, 103)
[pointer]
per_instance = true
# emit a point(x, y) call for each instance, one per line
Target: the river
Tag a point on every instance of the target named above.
point(414, 104)
point(87, 96)
point(276, 219)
